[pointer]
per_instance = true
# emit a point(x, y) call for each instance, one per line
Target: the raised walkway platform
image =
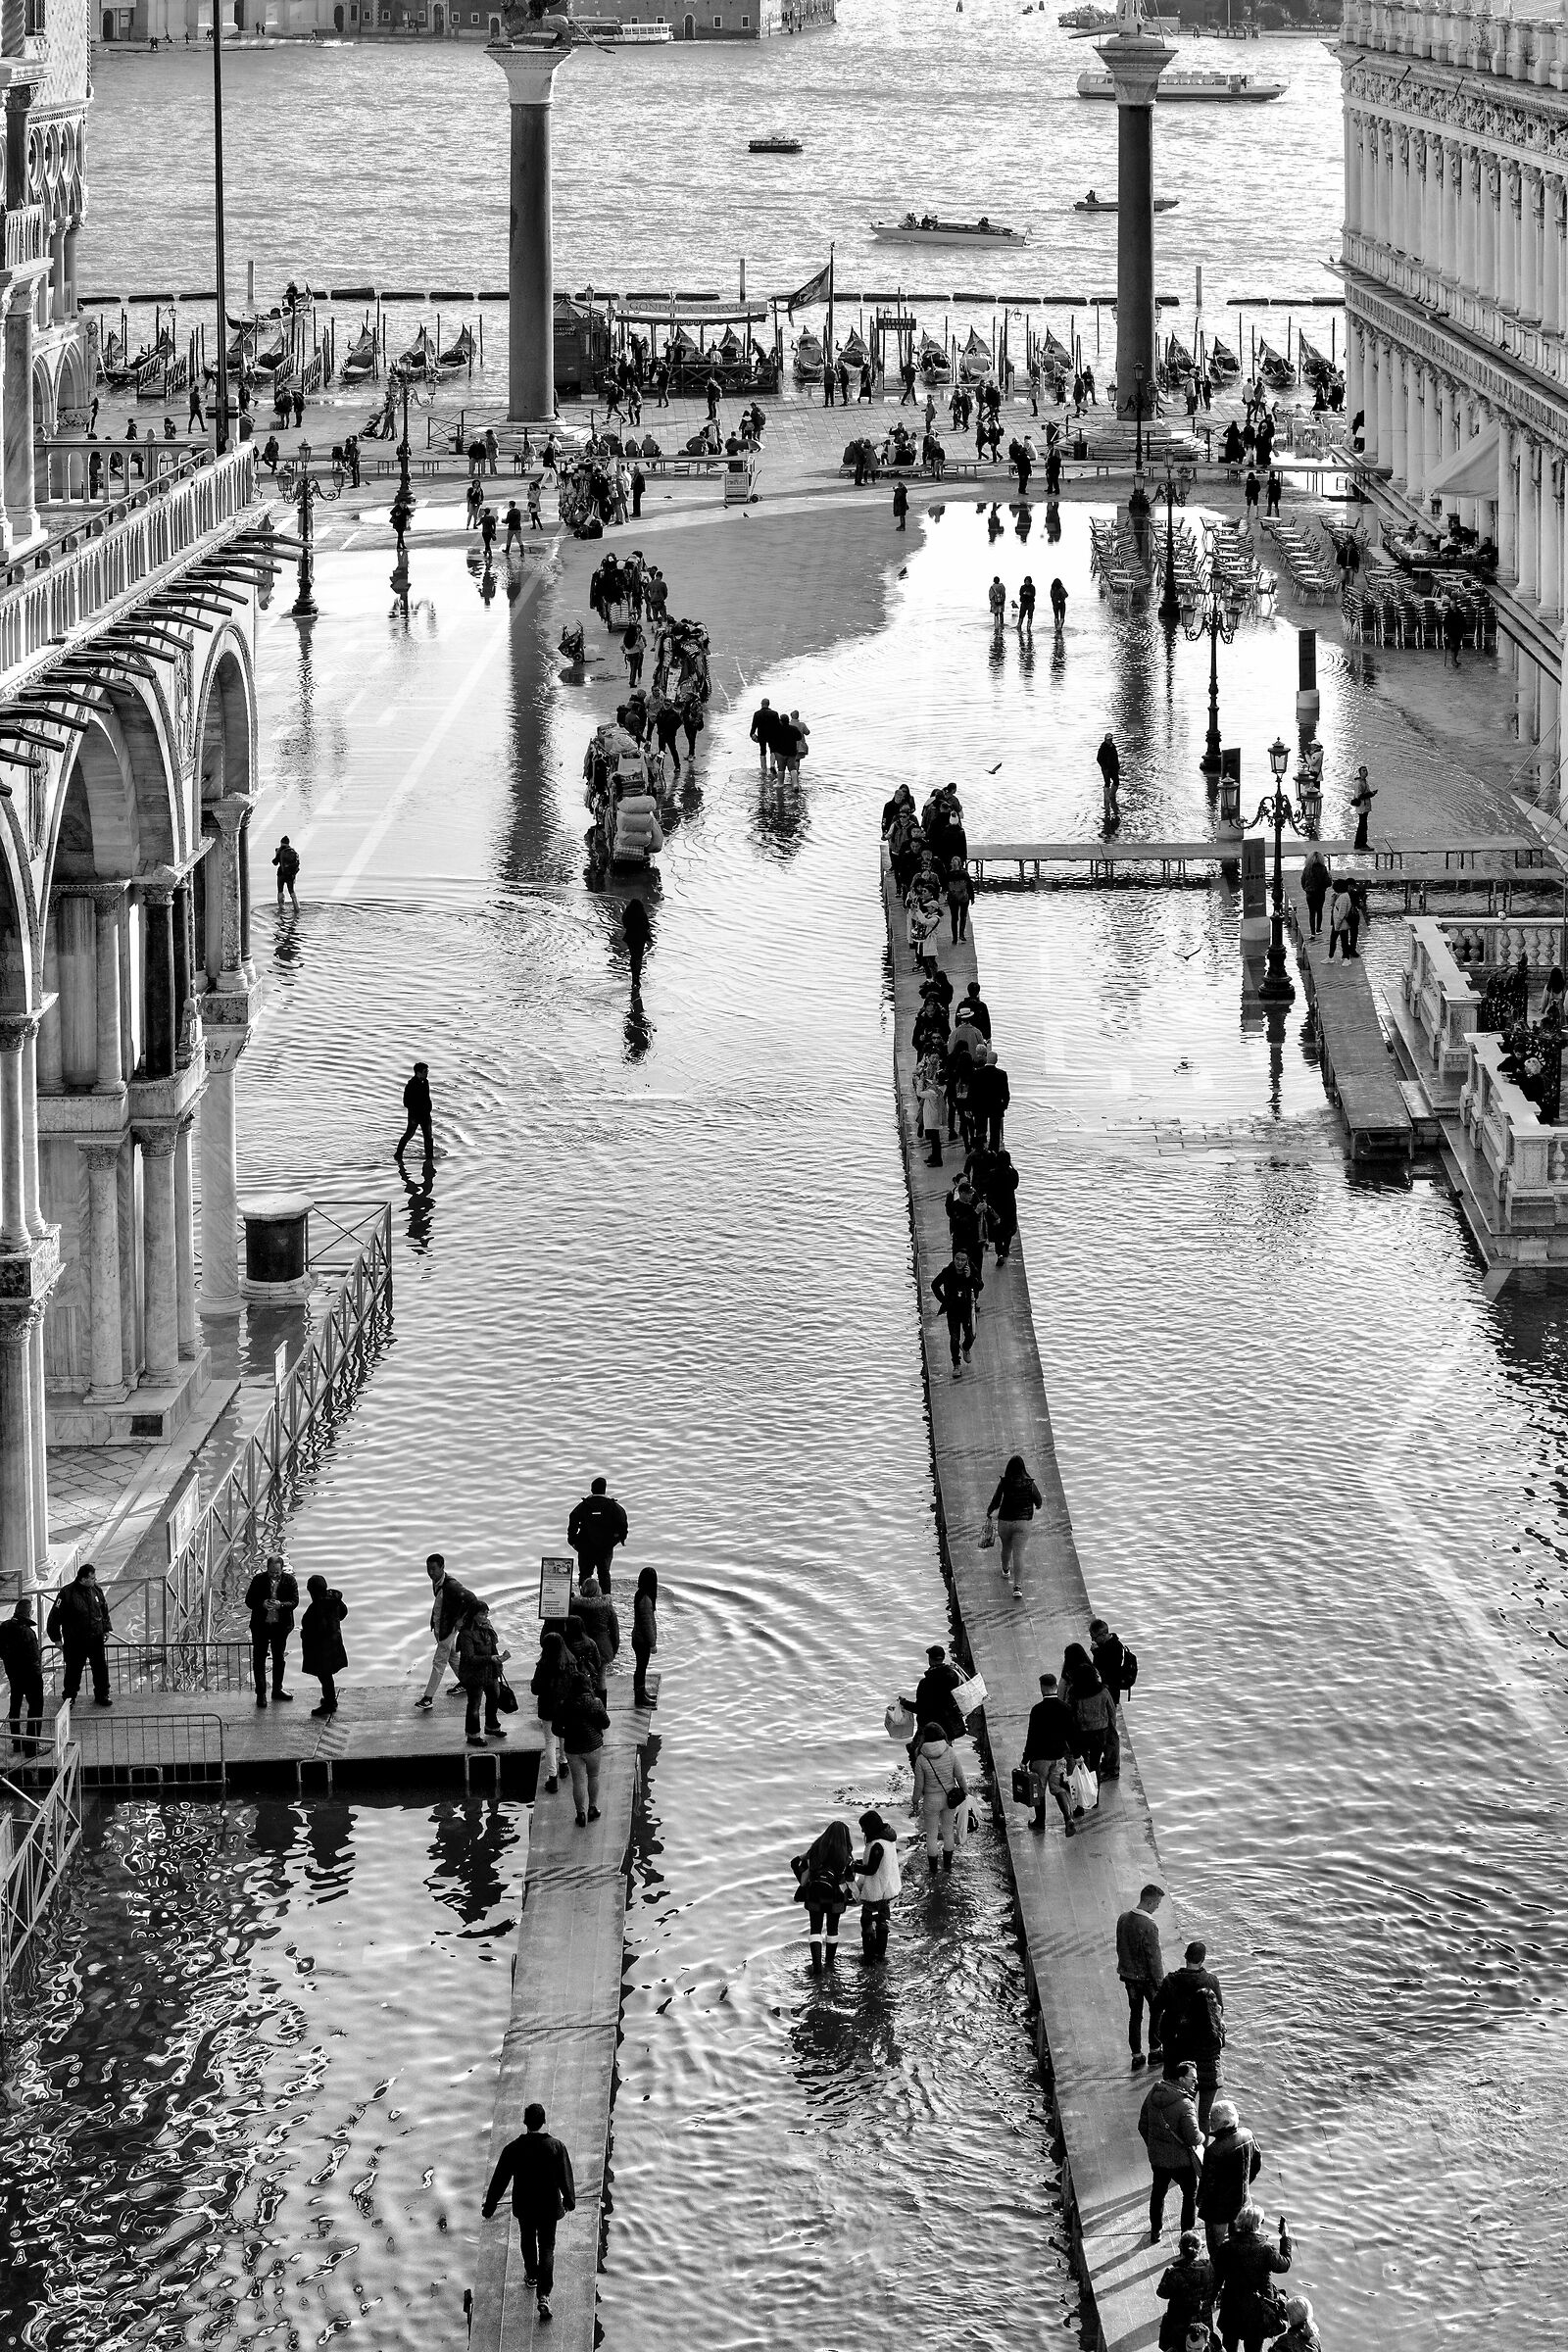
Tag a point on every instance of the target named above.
point(1359, 1068)
point(1068, 1893)
point(1498, 863)
point(559, 2046)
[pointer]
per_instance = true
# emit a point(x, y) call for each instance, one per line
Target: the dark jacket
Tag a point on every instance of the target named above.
point(596, 1525)
point(1231, 2161)
point(285, 1600)
point(933, 1700)
point(450, 1603)
point(1168, 2124)
point(1187, 2289)
point(1050, 1732)
point(1110, 1661)
point(645, 1625)
point(322, 1648)
point(1018, 1502)
point(1139, 1959)
point(1186, 2026)
point(583, 1651)
point(79, 1616)
point(552, 1676)
point(416, 1098)
point(539, 2172)
point(1002, 1191)
point(585, 1719)
point(953, 1291)
point(1245, 2267)
point(989, 1090)
point(19, 1654)
point(977, 1006)
point(598, 1613)
point(477, 1656)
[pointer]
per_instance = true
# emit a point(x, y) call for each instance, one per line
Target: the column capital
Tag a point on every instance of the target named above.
point(157, 890)
point(102, 894)
point(15, 1028)
point(230, 811)
point(157, 1143)
point(531, 67)
point(101, 1157)
point(19, 1319)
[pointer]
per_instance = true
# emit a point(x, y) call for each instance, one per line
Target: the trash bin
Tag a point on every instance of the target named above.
point(278, 1244)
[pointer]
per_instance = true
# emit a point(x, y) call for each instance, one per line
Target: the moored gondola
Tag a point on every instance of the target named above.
point(1275, 371)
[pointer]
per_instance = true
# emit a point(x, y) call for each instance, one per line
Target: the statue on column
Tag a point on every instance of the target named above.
point(531, 18)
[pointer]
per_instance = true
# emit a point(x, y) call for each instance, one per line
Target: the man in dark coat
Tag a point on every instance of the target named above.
point(1001, 1195)
point(933, 1694)
point(976, 1004)
point(79, 1623)
point(23, 1660)
point(765, 734)
point(450, 1603)
point(1191, 2023)
point(539, 2170)
point(1048, 1747)
point(1117, 1668)
point(417, 1103)
point(272, 1597)
point(990, 1095)
point(595, 1526)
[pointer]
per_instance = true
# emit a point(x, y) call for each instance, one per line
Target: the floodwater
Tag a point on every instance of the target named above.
point(901, 106)
point(1315, 1477)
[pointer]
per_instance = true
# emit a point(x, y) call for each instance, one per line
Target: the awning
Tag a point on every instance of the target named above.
point(1471, 471)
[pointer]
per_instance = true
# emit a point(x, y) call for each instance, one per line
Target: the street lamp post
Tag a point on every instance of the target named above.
point(297, 484)
point(1215, 619)
point(1170, 602)
point(404, 503)
point(1277, 811)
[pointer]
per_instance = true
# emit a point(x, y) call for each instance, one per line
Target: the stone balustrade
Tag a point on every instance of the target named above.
point(27, 238)
point(1487, 944)
point(1443, 1005)
point(1526, 1164)
point(74, 472)
point(1530, 48)
point(117, 555)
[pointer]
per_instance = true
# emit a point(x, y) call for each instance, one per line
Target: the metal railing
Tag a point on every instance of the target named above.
point(32, 1867)
point(251, 1501)
point(117, 555)
point(142, 1754)
point(154, 1665)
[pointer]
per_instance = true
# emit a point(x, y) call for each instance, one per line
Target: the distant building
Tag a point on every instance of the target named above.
point(180, 20)
point(1455, 266)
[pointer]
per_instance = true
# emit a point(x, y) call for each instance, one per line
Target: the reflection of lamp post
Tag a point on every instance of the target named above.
point(1170, 602)
point(1138, 504)
point(1216, 620)
point(296, 482)
point(1276, 810)
point(1310, 786)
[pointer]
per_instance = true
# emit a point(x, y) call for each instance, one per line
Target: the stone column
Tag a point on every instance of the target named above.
point(223, 875)
point(37, 1435)
point(14, 1238)
point(1550, 770)
point(1508, 239)
point(16, 430)
point(1351, 175)
point(31, 1206)
point(1415, 431)
point(1354, 372)
point(184, 1244)
point(219, 1176)
point(1550, 536)
point(161, 1296)
point(530, 69)
point(17, 1542)
point(1507, 537)
point(1399, 370)
point(1530, 243)
point(1371, 401)
point(51, 1060)
point(73, 930)
point(1387, 452)
point(108, 1344)
point(1433, 452)
point(108, 900)
point(1490, 199)
point(1402, 237)
point(1529, 519)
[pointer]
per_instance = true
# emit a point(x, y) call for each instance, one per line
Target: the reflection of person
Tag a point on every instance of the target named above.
point(538, 2170)
point(635, 925)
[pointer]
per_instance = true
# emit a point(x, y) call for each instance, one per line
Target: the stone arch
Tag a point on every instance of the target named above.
point(225, 731)
point(93, 835)
point(71, 396)
point(43, 400)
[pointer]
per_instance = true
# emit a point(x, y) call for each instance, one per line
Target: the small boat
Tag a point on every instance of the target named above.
point(934, 364)
point(1178, 362)
point(1223, 364)
point(1055, 353)
point(976, 361)
point(807, 363)
point(1315, 369)
point(854, 353)
point(930, 231)
point(269, 361)
point(359, 361)
point(1193, 87)
point(775, 142)
point(421, 353)
point(1111, 204)
point(458, 354)
point(608, 33)
point(1277, 372)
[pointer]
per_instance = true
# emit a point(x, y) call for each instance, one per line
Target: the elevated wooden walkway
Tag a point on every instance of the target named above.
point(559, 2046)
point(1499, 861)
point(1069, 1894)
point(1359, 1068)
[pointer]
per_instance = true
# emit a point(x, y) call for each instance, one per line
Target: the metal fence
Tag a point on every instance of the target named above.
point(151, 1665)
point(143, 1755)
point(31, 1865)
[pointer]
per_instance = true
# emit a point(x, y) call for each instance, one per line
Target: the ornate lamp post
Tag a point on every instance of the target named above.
point(1170, 602)
point(298, 484)
point(1215, 619)
point(1277, 811)
point(402, 504)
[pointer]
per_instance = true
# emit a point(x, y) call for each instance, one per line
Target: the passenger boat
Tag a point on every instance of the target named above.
point(976, 361)
point(808, 360)
point(930, 231)
point(1193, 87)
point(1110, 204)
point(934, 364)
point(421, 353)
point(359, 361)
point(1277, 372)
point(608, 33)
point(775, 142)
point(458, 354)
point(1104, 19)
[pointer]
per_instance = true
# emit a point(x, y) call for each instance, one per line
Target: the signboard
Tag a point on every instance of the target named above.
point(557, 1582)
point(1254, 877)
point(182, 1517)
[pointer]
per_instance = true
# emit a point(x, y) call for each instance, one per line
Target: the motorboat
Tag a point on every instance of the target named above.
point(934, 364)
point(808, 360)
point(1110, 204)
point(976, 361)
point(929, 230)
point(608, 33)
point(1190, 88)
point(359, 361)
point(458, 354)
point(775, 142)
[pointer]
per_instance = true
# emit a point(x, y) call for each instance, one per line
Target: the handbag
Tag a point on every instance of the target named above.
point(988, 1535)
point(1023, 1784)
point(969, 1695)
point(899, 1721)
point(506, 1696)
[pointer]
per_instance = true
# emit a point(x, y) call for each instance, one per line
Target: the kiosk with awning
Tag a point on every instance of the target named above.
point(703, 339)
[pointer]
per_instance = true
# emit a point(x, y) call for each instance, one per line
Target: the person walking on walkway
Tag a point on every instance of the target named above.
point(1086, 1694)
point(450, 1603)
point(538, 2170)
point(586, 1721)
point(644, 1636)
point(272, 1597)
point(1192, 2022)
point(990, 1096)
point(1361, 800)
point(477, 1657)
point(933, 1701)
point(417, 1103)
point(1187, 2290)
point(1016, 1500)
point(595, 1609)
point(953, 1291)
point(637, 931)
point(1250, 2261)
point(1117, 1668)
point(1315, 888)
point(1168, 2124)
point(825, 1881)
point(22, 1659)
point(1232, 2161)
point(553, 1677)
point(1141, 1965)
point(1047, 1753)
point(901, 504)
point(931, 1091)
point(321, 1652)
point(286, 859)
point(1002, 1199)
point(940, 1789)
point(595, 1526)
point(80, 1622)
point(1342, 919)
point(880, 1881)
point(961, 897)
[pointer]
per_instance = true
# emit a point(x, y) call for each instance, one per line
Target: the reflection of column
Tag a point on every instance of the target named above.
point(162, 1293)
point(108, 1345)
point(18, 1548)
point(219, 1178)
point(159, 1047)
point(184, 1242)
point(530, 70)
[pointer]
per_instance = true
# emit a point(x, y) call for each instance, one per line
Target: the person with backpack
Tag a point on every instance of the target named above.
point(553, 1677)
point(1187, 2290)
point(286, 859)
point(586, 1721)
point(1092, 1712)
point(1191, 2023)
point(825, 1881)
point(1016, 1500)
point(1117, 1668)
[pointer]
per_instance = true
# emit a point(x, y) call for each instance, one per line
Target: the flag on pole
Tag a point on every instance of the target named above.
point(812, 291)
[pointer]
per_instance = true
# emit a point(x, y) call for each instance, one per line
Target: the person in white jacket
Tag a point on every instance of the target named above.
point(877, 1871)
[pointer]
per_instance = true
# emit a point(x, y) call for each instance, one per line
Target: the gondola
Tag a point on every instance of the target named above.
point(808, 360)
point(458, 354)
point(1276, 372)
point(1178, 362)
point(1223, 364)
point(1315, 369)
point(359, 361)
point(975, 363)
point(934, 364)
point(421, 353)
point(854, 353)
point(1055, 354)
point(269, 361)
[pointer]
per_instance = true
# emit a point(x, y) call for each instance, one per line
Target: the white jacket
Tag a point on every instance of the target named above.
point(883, 1884)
